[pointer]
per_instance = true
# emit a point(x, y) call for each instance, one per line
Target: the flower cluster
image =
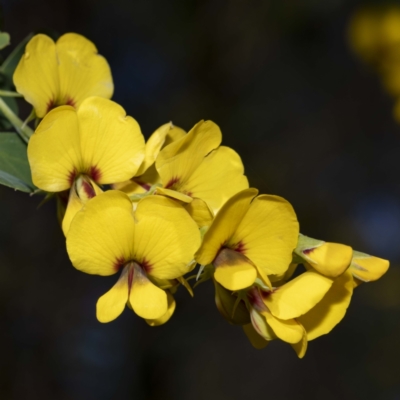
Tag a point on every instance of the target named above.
point(374, 34)
point(151, 211)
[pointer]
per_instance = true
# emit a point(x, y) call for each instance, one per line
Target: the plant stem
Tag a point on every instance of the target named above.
point(7, 93)
point(24, 131)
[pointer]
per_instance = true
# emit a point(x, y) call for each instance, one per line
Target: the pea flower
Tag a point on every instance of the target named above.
point(78, 150)
point(153, 244)
point(63, 73)
point(249, 237)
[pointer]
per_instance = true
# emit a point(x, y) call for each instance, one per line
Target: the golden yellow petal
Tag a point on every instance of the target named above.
point(224, 225)
point(166, 317)
point(268, 233)
point(36, 76)
point(166, 237)
point(289, 331)
point(100, 237)
point(200, 212)
point(83, 72)
point(298, 296)
point(173, 194)
point(368, 268)
point(112, 304)
point(321, 319)
point(147, 300)
point(54, 150)
point(112, 143)
point(301, 347)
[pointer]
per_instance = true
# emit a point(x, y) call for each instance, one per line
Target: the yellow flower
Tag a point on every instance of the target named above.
point(156, 242)
point(66, 72)
point(197, 167)
point(330, 259)
point(250, 236)
point(80, 149)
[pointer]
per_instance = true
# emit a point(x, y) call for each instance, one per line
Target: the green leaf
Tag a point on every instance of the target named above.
point(14, 166)
point(11, 62)
point(4, 122)
point(4, 39)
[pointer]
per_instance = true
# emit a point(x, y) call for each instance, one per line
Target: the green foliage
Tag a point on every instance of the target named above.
point(4, 39)
point(14, 167)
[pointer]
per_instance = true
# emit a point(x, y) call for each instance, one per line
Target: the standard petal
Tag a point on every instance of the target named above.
point(166, 317)
point(200, 212)
point(147, 300)
point(298, 296)
point(224, 225)
point(268, 233)
point(112, 143)
point(177, 161)
point(233, 270)
point(321, 319)
point(112, 304)
point(330, 259)
point(166, 237)
point(162, 136)
point(289, 331)
point(83, 72)
point(255, 339)
point(367, 268)
point(36, 76)
point(54, 150)
point(218, 178)
point(100, 237)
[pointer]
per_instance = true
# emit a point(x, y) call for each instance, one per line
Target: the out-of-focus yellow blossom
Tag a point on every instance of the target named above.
point(63, 73)
point(80, 149)
point(156, 242)
point(249, 237)
point(330, 259)
point(195, 170)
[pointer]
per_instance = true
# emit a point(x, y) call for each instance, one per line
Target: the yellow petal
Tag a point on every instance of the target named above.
point(83, 72)
point(298, 296)
point(165, 318)
point(162, 136)
point(200, 212)
point(330, 259)
point(301, 347)
point(166, 237)
point(112, 143)
point(36, 76)
point(331, 309)
point(368, 268)
point(177, 161)
point(289, 331)
point(54, 150)
point(112, 304)
point(224, 225)
point(173, 194)
point(147, 300)
point(100, 237)
point(268, 233)
point(217, 178)
point(255, 339)
point(81, 191)
point(229, 307)
point(233, 271)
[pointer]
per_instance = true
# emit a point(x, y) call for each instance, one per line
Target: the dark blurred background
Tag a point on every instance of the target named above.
point(311, 122)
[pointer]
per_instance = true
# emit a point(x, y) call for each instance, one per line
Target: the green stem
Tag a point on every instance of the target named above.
point(23, 130)
point(7, 93)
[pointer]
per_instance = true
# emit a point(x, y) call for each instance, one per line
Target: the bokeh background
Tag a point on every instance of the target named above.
point(311, 122)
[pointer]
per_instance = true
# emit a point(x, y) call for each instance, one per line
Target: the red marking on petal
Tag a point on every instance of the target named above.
point(130, 278)
point(88, 188)
point(71, 177)
point(171, 183)
point(118, 263)
point(95, 173)
point(146, 265)
point(308, 251)
point(240, 247)
point(50, 105)
point(70, 102)
point(144, 185)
